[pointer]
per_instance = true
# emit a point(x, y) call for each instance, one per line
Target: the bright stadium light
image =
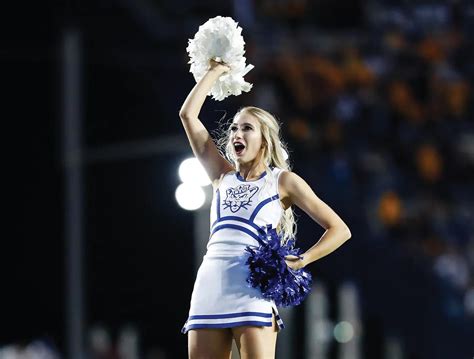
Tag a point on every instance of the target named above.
point(343, 332)
point(190, 196)
point(191, 171)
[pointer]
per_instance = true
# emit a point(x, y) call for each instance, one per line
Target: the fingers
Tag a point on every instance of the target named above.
point(295, 262)
point(217, 62)
point(295, 265)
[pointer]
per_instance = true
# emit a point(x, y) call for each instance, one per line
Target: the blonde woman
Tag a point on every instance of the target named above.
point(253, 187)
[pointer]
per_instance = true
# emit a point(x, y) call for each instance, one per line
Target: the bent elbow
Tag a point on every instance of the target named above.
point(348, 233)
point(183, 115)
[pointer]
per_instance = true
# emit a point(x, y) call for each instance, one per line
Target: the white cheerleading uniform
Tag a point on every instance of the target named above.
point(221, 296)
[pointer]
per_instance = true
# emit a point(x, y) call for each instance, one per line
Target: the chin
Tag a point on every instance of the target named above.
point(242, 160)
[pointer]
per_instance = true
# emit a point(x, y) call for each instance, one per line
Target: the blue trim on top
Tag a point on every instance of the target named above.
point(218, 205)
point(240, 178)
point(235, 226)
point(238, 219)
point(261, 204)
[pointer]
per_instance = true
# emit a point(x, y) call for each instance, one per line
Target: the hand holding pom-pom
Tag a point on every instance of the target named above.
point(219, 66)
point(276, 269)
point(294, 262)
point(221, 38)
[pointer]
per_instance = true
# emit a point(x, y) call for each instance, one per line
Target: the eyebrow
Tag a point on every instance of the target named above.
point(242, 124)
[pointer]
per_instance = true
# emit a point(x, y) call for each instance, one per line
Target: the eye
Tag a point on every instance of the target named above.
point(233, 128)
point(248, 128)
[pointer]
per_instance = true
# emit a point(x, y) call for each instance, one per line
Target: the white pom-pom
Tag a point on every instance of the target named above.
point(220, 39)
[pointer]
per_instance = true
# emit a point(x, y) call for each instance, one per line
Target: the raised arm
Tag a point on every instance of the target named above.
point(295, 190)
point(201, 142)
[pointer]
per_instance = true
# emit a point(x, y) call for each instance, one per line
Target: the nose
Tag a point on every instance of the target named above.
point(238, 134)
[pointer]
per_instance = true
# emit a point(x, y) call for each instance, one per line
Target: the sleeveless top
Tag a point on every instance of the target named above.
point(239, 209)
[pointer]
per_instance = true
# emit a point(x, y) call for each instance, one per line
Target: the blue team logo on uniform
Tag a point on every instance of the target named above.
point(239, 197)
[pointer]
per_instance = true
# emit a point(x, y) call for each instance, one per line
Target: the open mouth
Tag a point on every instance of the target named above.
point(239, 148)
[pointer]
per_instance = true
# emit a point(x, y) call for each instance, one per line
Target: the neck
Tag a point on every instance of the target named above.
point(251, 170)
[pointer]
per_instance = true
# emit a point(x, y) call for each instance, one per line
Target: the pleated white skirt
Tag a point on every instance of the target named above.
point(221, 297)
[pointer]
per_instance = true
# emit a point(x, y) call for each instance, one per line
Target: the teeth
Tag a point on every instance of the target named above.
point(239, 147)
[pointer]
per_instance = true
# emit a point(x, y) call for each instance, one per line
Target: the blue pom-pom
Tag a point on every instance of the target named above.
point(270, 273)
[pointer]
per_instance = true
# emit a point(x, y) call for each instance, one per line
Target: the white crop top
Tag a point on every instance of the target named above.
point(239, 208)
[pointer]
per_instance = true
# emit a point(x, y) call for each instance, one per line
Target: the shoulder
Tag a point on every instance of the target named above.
point(277, 172)
point(285, 179)
point(288, 178)
point(287, 183)
point(291, 184)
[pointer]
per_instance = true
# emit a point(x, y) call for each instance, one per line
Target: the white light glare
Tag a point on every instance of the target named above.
point(191, 171)
point(190, 196)
point(343, 332)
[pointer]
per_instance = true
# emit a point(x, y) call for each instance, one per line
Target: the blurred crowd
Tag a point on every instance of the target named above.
point(102, 343)
point(37, 349)
point(388, 113)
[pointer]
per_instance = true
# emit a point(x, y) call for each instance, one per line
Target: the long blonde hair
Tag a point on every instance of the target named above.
point(275, 154)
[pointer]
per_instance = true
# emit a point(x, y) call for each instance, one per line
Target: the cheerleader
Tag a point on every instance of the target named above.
point(253, 188)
